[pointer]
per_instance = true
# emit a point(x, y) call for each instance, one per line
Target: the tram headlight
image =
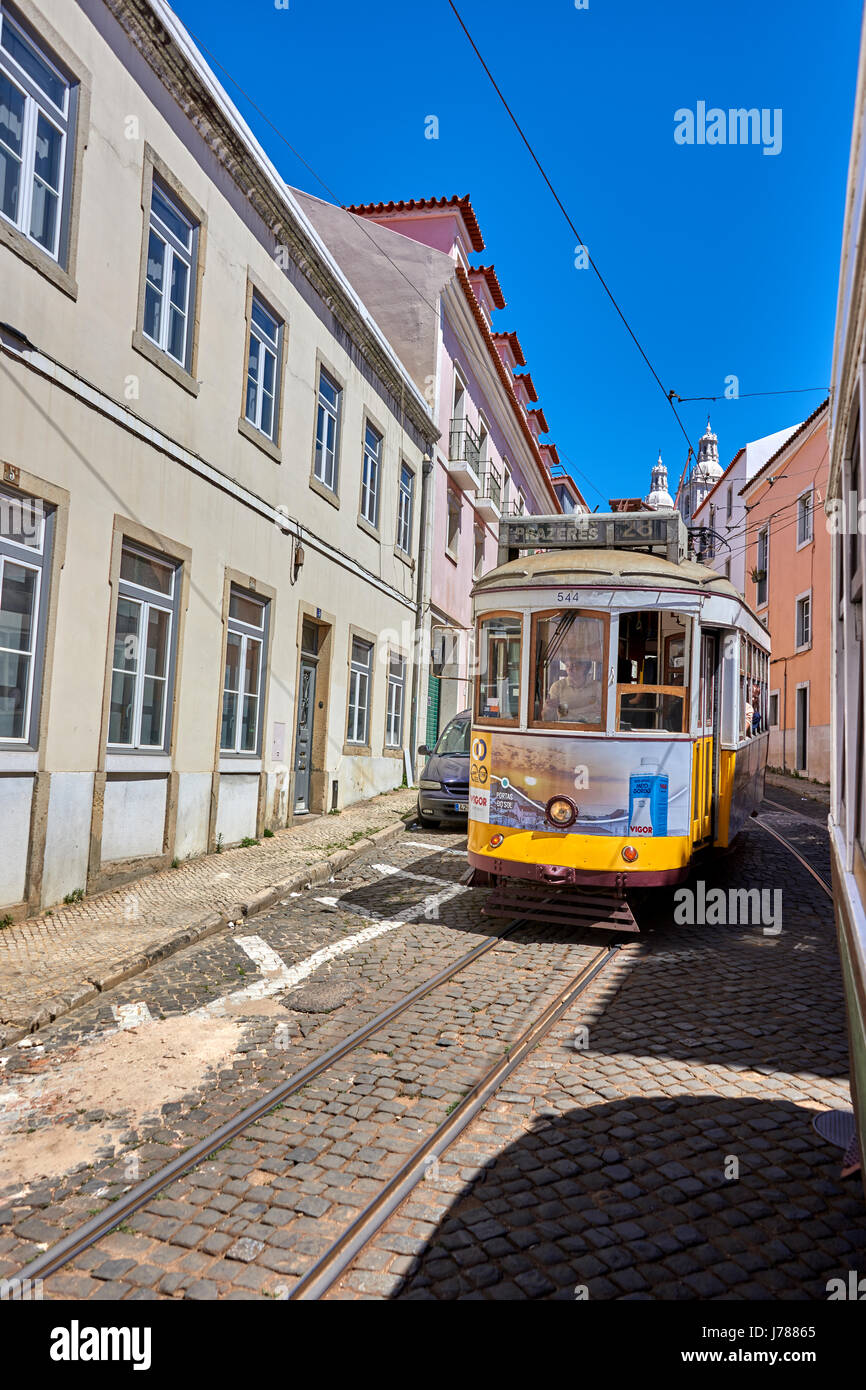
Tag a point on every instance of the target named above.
point(496, 841)
point(561, 811)
point(629, 854)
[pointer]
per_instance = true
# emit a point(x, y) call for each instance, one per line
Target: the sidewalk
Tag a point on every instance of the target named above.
point(55, 962)
point(800, 786)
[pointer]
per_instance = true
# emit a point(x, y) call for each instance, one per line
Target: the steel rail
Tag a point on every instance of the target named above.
point(117, 1211)
point(334, 1262)
point(806, 865)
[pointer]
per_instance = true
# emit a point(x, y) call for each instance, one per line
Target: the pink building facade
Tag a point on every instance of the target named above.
point(412, 261)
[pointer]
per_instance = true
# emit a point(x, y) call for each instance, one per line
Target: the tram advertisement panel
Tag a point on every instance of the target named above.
point(635, 788)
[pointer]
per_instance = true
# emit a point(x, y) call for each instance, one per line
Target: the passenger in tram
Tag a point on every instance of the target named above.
point(575, 697)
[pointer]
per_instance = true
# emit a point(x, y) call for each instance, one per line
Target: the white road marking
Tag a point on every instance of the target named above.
point(391, 869)
point(288, 976)
point(131, 1015)
point(258, 950)
point(422, 844)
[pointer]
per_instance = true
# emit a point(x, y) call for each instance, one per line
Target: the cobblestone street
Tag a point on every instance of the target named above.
point(657, 1143)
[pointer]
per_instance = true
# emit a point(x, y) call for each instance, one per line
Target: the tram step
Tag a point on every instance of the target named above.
point(566, 907)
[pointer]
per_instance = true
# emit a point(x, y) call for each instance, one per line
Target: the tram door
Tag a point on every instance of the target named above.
point(702, 818)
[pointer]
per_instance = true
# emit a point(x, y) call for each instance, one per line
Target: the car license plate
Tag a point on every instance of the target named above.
point(461, 806)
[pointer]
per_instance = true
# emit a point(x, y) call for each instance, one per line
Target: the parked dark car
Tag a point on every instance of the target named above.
point(443, 787)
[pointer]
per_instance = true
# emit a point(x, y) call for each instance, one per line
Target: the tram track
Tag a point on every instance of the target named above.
point(328, 1268)
point(796, 853)
point(117, 1212)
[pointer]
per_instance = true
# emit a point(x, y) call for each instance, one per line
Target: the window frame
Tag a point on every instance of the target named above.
point(41, 560)
point(174, 250)
point(553, 724)
point(248, 632)
point(391, 685)
point(683, 691)
point(773, 696)
point(371, 482)
point(809, 493)
point(156, 172)
point(405, 511)
point(804, 598)
point(759, 601)
point(487, 720)
point(273, 346)
point(319, 483)
point(147, 599)
point(453, 509)
point(65, 121)
point(356, 744)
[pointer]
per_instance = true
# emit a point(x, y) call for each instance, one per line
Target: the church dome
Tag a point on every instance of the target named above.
point(707, 467)
point(658, 498)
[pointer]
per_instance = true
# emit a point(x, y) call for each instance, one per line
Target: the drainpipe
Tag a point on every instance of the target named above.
point(785, 719)
point(426, 470)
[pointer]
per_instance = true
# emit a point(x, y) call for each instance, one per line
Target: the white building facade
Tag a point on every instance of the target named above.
point(211, 462)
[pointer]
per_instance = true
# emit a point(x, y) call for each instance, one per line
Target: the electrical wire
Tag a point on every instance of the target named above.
point(743, 395)
point(668, 395)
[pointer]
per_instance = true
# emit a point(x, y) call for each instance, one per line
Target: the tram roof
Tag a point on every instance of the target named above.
point(632, 569)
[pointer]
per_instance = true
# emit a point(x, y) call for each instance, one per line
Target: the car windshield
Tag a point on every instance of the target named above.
point(455, 739)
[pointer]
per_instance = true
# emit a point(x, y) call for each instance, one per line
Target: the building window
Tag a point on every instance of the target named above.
point(520, 504)
point(762, 569)
point(396, 691)
point(263, 359)
point(327, 430)
point(360, 668)
point(243, 682)
point(452, 539)
point(405, 503)
point(803, 621)
point(37, 125)
point(144, 640)
point(25, 545)
point(370, 475)
point(804, 518)
point(774, 709)
point(478, 560)
point(172, 249)
point(729, 505)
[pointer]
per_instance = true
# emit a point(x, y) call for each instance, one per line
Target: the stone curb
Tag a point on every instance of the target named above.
point(88, 990)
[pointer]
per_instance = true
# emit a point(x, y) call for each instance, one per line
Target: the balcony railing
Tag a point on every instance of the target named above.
point(488, 499)
point(464, 445)
point(464, 454)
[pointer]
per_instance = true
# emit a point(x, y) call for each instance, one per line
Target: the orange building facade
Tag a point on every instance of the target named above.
point(787, 548)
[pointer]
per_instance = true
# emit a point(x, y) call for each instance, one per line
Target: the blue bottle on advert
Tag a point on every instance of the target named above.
point(648, 800)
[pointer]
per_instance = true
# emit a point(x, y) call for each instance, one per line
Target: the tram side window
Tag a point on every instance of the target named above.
point(754, 681)
point(499, 645)
point(570, 662)
point(653, 671)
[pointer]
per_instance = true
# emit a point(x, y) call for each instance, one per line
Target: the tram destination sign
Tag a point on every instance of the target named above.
point(662, 533)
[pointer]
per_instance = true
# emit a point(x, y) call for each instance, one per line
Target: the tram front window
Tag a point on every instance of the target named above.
point(499, 643)
point(652, 671)
point(568, 683)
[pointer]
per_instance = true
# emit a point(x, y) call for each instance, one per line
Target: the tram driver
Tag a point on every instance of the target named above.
point(575, 697)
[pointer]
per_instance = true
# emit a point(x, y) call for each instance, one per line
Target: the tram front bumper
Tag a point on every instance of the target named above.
point(560, 858)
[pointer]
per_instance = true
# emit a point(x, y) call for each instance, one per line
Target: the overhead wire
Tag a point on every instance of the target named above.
point(668, 395)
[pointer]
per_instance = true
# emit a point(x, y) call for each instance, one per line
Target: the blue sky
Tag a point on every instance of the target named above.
point(725, 260)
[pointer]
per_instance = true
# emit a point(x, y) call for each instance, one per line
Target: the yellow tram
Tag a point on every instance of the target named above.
point(620, 713)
